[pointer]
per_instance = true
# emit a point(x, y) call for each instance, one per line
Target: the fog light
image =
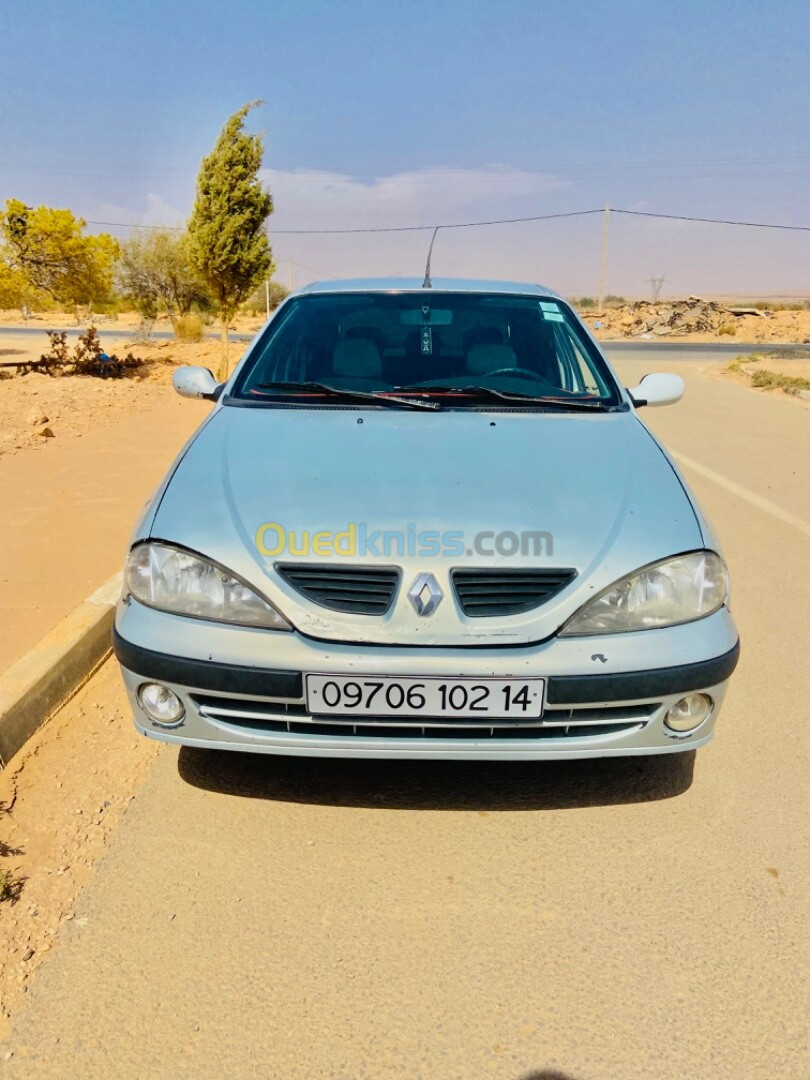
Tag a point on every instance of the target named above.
point(689, 713)
point(161, 704)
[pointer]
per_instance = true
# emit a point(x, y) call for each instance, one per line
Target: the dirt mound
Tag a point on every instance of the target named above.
point(660, 319)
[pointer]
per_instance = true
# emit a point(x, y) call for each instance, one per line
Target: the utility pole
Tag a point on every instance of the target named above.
point(603, 267)
point(292, 275)
point(267, 297)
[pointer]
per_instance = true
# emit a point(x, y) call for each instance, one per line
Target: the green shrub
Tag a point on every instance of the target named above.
point(190, 328)
point(772, 305)
point(770, 380)
point(736, 363)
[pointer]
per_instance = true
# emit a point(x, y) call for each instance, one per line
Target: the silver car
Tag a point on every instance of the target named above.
point(424, 519)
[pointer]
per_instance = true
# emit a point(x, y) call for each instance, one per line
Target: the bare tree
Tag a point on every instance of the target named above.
point(155, 269)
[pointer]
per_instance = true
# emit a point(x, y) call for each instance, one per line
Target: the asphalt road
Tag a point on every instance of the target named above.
point(271, 918)
point(617, 350)
point(106, 334)
point(676, 351)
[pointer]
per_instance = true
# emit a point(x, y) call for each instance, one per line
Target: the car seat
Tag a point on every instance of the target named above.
point(356, 364)
point(482, 359)
point(481, 335)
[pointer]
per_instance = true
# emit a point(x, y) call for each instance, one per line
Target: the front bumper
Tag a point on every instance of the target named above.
point(605, 696)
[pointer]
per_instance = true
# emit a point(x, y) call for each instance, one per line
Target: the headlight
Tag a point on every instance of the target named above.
point(165, 577)
point(673, 591)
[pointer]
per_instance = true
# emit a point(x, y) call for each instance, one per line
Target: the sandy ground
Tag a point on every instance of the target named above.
point(76, 406)
point(47, 319)
point(292, 919)
point(59, 805)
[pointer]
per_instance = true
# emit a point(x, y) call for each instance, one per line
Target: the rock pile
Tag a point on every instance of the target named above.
point(662, 318)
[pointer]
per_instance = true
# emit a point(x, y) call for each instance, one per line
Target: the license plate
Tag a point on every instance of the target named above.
point(463, 699)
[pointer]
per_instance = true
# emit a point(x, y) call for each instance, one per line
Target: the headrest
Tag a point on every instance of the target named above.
point(356, 358)
point(481, 335)
point(370, 333)
point(484, 358)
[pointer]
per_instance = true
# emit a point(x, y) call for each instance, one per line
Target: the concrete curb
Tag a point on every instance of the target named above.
point(41, 681)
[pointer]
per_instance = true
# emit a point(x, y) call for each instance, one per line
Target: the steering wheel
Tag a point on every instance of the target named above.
point(520, 372)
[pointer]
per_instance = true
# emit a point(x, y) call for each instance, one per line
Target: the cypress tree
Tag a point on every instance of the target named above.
point(229, 245)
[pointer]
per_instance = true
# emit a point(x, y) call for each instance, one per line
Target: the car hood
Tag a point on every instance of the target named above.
point(598, 487)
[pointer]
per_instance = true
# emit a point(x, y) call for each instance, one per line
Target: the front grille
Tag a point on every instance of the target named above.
point(272, 717)
point(359, 590)
point(507, 592)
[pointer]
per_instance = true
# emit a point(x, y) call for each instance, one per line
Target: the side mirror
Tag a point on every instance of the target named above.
point(196, 382)
point(657, 389)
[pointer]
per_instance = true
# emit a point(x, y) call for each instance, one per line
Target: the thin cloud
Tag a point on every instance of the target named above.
point(321, 199)
point(159, 212)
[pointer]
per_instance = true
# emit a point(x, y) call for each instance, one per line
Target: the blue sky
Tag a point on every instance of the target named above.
point(392, 113)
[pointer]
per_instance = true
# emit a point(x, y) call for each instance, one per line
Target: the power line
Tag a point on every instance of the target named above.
point(386, 229)
point(479, 224)
point(712, 221)
point(427, 228)
point(304, 266)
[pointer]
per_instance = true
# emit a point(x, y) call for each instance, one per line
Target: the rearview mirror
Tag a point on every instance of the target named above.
point(195, 382)
point(658, 389)
point(426, 316)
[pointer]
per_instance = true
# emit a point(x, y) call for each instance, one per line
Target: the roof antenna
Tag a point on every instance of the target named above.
point(427, 284)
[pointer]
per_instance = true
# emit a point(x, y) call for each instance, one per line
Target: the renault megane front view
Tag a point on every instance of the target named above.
point(426, 522)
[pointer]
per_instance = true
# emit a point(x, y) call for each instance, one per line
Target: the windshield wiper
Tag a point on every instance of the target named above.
point(359, 396)
point(488, 394)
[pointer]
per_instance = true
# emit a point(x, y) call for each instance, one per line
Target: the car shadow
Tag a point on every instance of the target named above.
point(439, 785)
point(547, 1074)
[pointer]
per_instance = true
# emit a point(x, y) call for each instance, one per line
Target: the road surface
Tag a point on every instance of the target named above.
point(291, 920)
point(108, 334)
point(617, 350)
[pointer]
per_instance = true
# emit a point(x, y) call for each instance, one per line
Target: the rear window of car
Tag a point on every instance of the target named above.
point(383, 342)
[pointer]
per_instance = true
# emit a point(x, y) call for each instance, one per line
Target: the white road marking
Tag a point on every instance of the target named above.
point(743, 493)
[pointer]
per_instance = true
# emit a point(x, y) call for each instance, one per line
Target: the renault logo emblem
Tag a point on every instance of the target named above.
point(425, 595)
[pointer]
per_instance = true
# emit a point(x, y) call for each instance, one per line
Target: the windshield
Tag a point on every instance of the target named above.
point(460, 348)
